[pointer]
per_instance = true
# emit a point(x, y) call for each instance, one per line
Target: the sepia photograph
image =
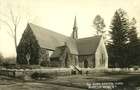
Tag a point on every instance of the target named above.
point(69, 45)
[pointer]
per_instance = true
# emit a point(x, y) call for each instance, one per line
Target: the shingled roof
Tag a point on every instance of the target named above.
point(51, 40)
point(88, 45)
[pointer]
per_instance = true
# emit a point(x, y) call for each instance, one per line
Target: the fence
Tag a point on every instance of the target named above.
point(28, 72)
point(60, 71)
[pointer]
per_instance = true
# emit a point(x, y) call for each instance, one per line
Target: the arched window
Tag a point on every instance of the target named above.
point(102, 61)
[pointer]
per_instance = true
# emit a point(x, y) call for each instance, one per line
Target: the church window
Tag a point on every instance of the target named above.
point(50, 53)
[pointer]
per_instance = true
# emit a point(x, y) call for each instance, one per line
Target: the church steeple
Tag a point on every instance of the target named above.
point(75, 30)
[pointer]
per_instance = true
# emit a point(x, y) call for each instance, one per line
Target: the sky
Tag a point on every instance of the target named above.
point(58, 15)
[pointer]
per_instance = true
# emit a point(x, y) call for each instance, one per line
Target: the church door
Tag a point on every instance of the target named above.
point(85, 64)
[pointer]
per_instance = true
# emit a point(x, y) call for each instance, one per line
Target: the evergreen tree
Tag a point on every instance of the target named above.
point(119, 37)
point(133, 45)
point(28, 48)
point(132, 33)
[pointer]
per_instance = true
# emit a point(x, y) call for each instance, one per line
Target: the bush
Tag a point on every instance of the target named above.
point(44, 63)
point(73, 72)
point(27, 67)
point(8, 66)
point(1, 59)
point(9, 62)
point(38, 75)
point(35, 75)
point(136, 67)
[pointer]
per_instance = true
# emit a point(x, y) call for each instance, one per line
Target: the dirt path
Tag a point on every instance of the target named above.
point(76, 82)
point(36, 86)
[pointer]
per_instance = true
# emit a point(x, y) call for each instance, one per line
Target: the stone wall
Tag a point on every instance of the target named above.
point(26, 74)
point(44, 55)
point(65, 60)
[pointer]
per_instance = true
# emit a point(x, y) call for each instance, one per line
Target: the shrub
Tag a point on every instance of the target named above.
point(44, 63)
point(35, 75)
point(9, 62)
point(1, 59)
point(73, 72)
point(136, 67)
point(38, 75)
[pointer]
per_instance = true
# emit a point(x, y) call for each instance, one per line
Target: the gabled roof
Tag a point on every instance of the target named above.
point(50, 40)
point(58, 52)
point(88, 45)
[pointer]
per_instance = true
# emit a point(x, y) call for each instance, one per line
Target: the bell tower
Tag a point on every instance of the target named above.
point(75, 30)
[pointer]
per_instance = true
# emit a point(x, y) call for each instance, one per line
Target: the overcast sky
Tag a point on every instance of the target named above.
point(58, 15)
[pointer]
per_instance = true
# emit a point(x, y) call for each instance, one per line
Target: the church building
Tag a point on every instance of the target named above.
point(61, 51)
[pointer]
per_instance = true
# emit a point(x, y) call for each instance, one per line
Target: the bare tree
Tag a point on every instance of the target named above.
point(99, 25)
point(12, 26)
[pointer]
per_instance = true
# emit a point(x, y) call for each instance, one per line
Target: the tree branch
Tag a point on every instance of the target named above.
point(12, 17)
point(5, 22)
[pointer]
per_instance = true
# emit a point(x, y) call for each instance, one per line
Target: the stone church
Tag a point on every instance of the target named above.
point(62, 51)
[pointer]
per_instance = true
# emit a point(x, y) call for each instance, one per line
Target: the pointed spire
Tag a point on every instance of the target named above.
point(75, 22)
point(75, 28)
